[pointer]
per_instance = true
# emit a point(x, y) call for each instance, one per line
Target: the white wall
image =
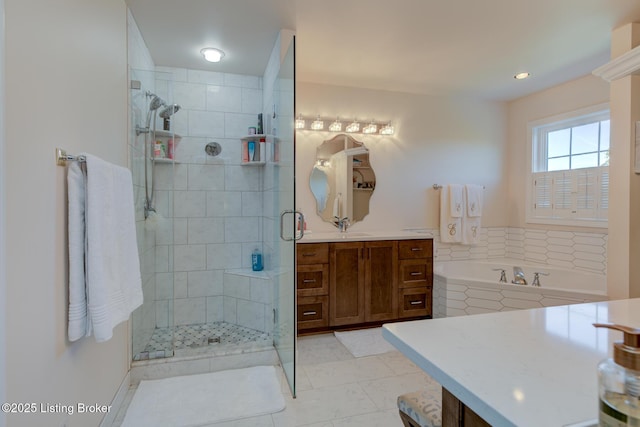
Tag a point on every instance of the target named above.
point(66, 86)
point(3, 204)
point(574, 95)
point(438, 140)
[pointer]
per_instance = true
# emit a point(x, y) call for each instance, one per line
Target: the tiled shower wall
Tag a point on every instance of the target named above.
point(566, 249)
point(213, 204)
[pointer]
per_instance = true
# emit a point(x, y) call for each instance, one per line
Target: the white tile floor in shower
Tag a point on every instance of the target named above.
point(337, 390)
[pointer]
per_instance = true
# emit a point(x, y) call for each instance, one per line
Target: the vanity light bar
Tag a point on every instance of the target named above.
point(350, 126)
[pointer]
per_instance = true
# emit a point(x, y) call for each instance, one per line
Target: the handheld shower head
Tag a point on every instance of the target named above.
point(169, 111)
point(156, 102)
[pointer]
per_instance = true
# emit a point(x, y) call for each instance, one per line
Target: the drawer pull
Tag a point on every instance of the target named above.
point(413, 273)
point(309, 313)
point(416, 302)
point(309, 281)
point(416, 249)
point(309, 254)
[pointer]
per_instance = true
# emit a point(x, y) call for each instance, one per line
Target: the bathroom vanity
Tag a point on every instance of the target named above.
point(348, 279)
point(534, 367)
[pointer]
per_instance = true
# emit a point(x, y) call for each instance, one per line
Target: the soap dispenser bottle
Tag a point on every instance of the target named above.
point(619, 380)
point(256, 260)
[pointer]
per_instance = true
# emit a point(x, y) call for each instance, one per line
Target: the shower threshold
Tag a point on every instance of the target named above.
point(216, 337)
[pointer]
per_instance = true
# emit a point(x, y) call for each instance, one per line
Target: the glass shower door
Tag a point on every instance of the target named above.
point(283, 174)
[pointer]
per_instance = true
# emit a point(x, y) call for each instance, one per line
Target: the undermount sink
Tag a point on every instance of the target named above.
point(349, 234)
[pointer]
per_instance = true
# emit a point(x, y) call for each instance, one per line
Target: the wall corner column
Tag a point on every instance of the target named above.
point(623, 254)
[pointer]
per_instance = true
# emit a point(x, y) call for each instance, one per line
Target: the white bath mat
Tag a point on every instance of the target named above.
point(194, 400)
point(364, 342)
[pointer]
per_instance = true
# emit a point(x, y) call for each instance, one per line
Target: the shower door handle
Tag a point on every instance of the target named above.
point(300, 233)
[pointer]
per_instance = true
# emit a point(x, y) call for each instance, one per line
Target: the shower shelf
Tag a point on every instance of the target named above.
point(164, 160)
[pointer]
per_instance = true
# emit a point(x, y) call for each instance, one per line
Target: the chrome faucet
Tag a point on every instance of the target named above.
point(518, 276)
point(536, 278)
point(503, 275)
point(342, 224)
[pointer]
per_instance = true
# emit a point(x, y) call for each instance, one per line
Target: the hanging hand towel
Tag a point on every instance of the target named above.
point(450, 227)
point(113, 286)
point(471, 220)
point(474, 200)
point(456, 200)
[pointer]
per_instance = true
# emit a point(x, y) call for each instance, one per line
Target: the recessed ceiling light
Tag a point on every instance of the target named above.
point(521, 76)
point(212, 54)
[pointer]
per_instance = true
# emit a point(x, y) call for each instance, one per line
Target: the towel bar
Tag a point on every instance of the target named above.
point(439, 187)
point(62, 157)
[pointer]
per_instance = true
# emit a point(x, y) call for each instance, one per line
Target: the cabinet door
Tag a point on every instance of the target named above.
point(415, 302)
point(313, 279)
point(381, 285)
point(313, 312)
point(346, 284)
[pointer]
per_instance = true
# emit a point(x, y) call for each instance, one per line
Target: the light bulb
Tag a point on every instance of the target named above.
point(387, 130)
point(353, 127)
point(370, 128)
point(212, 54)
point(300, 123)
point(317, 124)
point(335, 126)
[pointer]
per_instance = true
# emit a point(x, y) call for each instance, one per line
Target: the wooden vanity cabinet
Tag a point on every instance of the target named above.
point(415, 278)
point(312, 285)
point(363, 282)
point(349, 283)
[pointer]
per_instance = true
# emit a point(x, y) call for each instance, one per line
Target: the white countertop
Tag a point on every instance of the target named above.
point(363, 236)
point(523, 368)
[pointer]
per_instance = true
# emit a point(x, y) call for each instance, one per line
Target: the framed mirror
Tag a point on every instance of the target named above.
point(342, 180)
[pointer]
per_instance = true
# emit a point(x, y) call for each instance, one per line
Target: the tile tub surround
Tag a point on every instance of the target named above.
point(470, 287)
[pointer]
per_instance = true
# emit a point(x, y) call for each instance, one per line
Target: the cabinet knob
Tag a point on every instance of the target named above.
point(414, 273)
point(309, 254)
point(416, 302)
point(309, 313)
point(309, 281)
point(416, 249)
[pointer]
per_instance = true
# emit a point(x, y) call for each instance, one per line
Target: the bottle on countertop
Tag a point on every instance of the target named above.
point(256, 260)
point(619, 380)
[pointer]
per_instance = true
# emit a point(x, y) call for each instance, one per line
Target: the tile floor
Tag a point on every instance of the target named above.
point(337, 390)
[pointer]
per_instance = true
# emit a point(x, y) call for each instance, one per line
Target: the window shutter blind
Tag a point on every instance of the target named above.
point(586, 193)
point(542, 183)
point(603, 196)
point(563, 204)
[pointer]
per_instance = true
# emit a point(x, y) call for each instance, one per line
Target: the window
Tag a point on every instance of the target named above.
point(569, 179)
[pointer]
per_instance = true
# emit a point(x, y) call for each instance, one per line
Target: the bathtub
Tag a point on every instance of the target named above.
point(472, 287)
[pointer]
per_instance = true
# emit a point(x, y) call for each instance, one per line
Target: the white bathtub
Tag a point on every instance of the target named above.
point(472, 287)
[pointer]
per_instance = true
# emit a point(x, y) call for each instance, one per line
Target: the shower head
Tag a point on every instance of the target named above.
point(169, 111)
point(156, 102)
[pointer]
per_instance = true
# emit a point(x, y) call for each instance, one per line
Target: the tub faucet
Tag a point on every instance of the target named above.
point(342, 224)
point(518, 276)
point(536, 278)
point(503, 275)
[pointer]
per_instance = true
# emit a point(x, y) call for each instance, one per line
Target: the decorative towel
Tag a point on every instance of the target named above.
point(456, 200)
point(473, 212)
point(450, 226)
point(474, 200)
point(113, 286)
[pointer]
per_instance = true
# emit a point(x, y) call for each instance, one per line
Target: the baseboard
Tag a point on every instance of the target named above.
point(110, 417)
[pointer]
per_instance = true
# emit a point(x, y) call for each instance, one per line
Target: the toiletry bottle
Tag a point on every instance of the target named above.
point(256, 260)
point(259, 127)
point(252, 150)
point(245, 152)
point(619, 380)
point(157, 150)
point(170, 148)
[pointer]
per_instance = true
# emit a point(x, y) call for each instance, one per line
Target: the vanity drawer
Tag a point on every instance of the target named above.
point(312, 253)
point(412, 249)
point(313, 279)
point(415, 302)
point(415, 272)
point(313, 312)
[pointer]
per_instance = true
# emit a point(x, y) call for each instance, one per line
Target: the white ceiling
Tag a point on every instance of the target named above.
point(465, 47)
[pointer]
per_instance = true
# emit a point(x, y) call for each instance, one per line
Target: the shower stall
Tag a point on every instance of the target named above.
point(201, 212)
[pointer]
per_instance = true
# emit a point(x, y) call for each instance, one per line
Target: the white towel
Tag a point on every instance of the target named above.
point(474, 200)
point(473, 212)
point(78, 322)
point(113, 284)
point(456, 200)
point(450, 227)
